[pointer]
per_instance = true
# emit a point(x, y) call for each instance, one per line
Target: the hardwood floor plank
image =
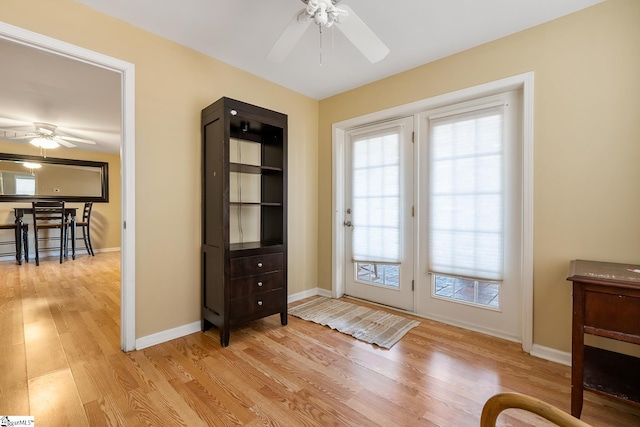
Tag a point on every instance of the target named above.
point(104, 412)
point(14, 390)
point(54, 400)
point(60, 361)
point(44, 351)
point(172, 409)
point(204, 403)
point(86, 385)
point(140, 410)
point(11, 313)
point(98, 380)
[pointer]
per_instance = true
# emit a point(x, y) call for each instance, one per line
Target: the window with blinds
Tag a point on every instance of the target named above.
point(466, 197)
point(377, 228)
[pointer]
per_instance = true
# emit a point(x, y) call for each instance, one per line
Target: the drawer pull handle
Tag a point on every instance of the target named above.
point(260, 284)
point(259, 302)
point(259, 265)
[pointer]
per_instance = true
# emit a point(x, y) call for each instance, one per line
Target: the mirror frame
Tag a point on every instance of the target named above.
point(104, 184)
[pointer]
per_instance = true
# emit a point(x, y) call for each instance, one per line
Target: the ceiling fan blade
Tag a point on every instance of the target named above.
point(74, 139)
point(61, 141)
point(289, 37)
point(362, 36)
point(15, 134)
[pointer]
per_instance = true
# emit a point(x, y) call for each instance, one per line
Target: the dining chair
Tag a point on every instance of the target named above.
point(19, 241)
point(49, 216)
point(85, 225)
point(503, 401)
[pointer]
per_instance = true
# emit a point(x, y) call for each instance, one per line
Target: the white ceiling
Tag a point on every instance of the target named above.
point(84, 101)
point(81, 99)
point(241, 33)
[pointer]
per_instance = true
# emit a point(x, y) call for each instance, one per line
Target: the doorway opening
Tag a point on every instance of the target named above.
point(127, 156)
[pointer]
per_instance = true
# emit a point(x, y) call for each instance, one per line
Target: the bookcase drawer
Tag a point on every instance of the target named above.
point(252, 285)
point(259, 264)
point(258, 305)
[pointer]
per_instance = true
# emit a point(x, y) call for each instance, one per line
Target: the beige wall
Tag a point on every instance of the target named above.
point(105, 217)
point(587, 146)
point(586, 141)
point(173, 84)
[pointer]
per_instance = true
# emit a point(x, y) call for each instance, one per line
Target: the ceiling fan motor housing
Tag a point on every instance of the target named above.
point(45, 128)
point(323, 12)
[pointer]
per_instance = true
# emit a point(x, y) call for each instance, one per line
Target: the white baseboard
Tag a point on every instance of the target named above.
point(470, 327)
point(308, 293)
point(79, 251)
point(537, 350)
point(181, 331)
point(103, 250)
point(551, 354)
point(168, 335)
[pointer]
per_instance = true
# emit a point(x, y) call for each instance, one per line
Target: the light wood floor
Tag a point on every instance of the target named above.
point(60, 362)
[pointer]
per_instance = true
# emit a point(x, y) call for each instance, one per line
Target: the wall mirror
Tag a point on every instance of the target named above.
point(26, 178)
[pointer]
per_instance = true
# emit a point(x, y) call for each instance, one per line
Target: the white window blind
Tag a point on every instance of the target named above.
point(376, 197)
point(466, 206)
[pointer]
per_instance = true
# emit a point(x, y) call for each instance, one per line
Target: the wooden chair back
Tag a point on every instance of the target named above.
point(85, 226)
point(48, 215)
point(500, 402)
point(86, 212)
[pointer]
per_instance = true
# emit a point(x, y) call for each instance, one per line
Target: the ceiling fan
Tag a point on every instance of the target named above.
point(45, 136)
point(325, 13)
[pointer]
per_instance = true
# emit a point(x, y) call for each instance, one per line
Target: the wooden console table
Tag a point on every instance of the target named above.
point(606, 303)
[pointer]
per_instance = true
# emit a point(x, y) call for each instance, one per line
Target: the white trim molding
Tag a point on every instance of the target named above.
point(181, 331)
point(522, 82)
point(167, 335)
point(308, 293)
point(127, 154)
point(551, 354)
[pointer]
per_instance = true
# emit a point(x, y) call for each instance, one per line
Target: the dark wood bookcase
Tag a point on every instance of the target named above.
point(244, 215)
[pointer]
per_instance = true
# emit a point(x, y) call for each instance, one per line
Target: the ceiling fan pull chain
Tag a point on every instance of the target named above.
point(320, 26)
point(332, 38)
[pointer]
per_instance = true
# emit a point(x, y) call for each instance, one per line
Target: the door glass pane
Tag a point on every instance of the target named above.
point(378, 274)
point(376, 196)
point(476, 292)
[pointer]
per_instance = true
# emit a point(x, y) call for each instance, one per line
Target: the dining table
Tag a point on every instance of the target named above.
point(20, 216)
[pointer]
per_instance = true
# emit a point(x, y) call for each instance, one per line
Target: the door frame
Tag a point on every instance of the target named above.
point(127, 159)
point(521, 81)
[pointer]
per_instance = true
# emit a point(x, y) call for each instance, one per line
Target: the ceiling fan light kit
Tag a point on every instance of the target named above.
point(30, 165)
point(45, 132)
point(44, 142)
point(325, 13)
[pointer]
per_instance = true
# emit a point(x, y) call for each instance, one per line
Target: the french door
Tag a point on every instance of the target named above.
point(471, 216)
point(379, 230)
